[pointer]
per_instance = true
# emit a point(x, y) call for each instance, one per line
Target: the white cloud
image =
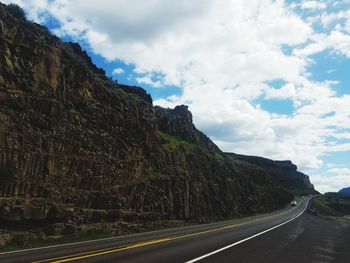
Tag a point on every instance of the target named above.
point(331, 165)
point(336, 18)
point(288, 91)
point(148, 79)
point(330, 183)
point(337, 41)
point(118, 71)
point(222, 53)
point(340, 171)
point(314, 5)
point(336, 179)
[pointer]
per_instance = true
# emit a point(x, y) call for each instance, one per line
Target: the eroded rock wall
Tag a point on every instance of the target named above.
point(77, 147)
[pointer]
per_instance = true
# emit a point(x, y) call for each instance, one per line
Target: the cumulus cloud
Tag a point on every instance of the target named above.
point(148, 79)
point(337, 41)
point(313, 5)
point(223, 54)
point(336, 179)
point(288, 91)
point(118, 71)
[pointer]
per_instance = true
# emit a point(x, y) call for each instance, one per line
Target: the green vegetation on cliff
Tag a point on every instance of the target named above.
point(332, 204)
point(16, 11)
point(283, 173)
point(172, 143)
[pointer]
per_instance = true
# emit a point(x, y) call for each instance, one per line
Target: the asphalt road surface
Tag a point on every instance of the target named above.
point(289, 235)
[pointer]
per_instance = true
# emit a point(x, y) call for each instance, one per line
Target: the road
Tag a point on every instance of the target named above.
point(289, 235)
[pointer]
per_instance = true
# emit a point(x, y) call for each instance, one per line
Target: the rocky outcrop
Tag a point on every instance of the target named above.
point(140, 92)
point(284, 173)
point(77, 148)
point(178, 122)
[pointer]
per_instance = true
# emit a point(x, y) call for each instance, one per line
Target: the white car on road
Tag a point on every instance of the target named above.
point(293, 203)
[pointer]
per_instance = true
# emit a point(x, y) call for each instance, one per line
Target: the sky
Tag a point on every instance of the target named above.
point(261, 77)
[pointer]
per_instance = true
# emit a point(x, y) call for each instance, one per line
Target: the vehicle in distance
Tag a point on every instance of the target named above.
point(293, 203)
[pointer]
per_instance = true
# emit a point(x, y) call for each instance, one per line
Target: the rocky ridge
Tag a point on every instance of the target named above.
point(283, 173)
point(78, 149)
point(345, 190)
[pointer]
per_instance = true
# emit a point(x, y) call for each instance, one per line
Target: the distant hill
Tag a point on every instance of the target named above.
point(345, 191)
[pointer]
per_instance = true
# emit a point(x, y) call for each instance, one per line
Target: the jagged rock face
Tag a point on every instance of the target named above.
point(137, 91)
point(178, 122)
point(68, 134)
point(284, 173)
point(76, 146)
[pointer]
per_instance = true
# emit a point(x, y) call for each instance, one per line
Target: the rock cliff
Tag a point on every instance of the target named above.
point(284, 173)
point(76, 148)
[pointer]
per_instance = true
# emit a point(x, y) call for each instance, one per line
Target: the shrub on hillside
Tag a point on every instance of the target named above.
point(16, 11)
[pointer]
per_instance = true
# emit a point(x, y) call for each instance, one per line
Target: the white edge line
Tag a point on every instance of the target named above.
point(85, 242)
point(246, 239)
point(53, 246)
point(82, 242)
point(97, 240)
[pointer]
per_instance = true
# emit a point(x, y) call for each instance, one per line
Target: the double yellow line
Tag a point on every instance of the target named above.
point(105, 251)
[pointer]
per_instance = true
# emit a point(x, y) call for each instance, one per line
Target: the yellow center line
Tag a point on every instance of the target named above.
point(79, 254)
point(113, 250)
point(127, 247)
point(140, 244)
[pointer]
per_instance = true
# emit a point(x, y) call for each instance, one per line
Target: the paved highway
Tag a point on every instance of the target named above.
point(289, 235)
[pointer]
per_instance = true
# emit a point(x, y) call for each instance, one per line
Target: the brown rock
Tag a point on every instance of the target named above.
point(75, 146)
